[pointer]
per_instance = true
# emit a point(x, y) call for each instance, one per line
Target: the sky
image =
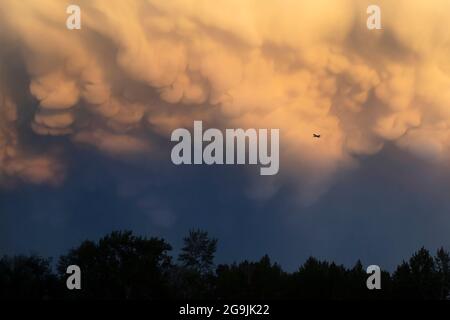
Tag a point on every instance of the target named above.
point(86, 118)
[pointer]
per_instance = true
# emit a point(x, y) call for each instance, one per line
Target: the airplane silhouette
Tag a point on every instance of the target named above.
point(316, 135)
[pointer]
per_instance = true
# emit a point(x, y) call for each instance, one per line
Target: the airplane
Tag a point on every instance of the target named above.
point(316, 135)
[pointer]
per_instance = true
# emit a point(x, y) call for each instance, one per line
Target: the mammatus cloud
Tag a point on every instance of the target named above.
point(15, 160)
point(139, 68)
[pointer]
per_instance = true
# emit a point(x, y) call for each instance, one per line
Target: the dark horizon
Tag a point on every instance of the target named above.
point(122, 265)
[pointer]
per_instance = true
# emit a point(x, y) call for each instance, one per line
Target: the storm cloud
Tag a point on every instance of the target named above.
point(140, 69)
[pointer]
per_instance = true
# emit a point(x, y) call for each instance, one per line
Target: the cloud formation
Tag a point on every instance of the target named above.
point(141, 68)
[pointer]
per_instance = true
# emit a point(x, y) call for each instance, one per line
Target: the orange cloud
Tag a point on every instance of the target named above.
point(301, 66)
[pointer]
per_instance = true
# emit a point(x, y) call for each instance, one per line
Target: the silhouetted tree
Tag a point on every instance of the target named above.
point(251, 280)
point(417, 279)
point(403, 283)
point(198, 252)
point(318, 279)
point(122, 266)
point(27, 277)
point(442, 261)
point(194, 278)
point(356, 287)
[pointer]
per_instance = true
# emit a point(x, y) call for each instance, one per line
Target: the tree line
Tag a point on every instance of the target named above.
point(122, 265)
